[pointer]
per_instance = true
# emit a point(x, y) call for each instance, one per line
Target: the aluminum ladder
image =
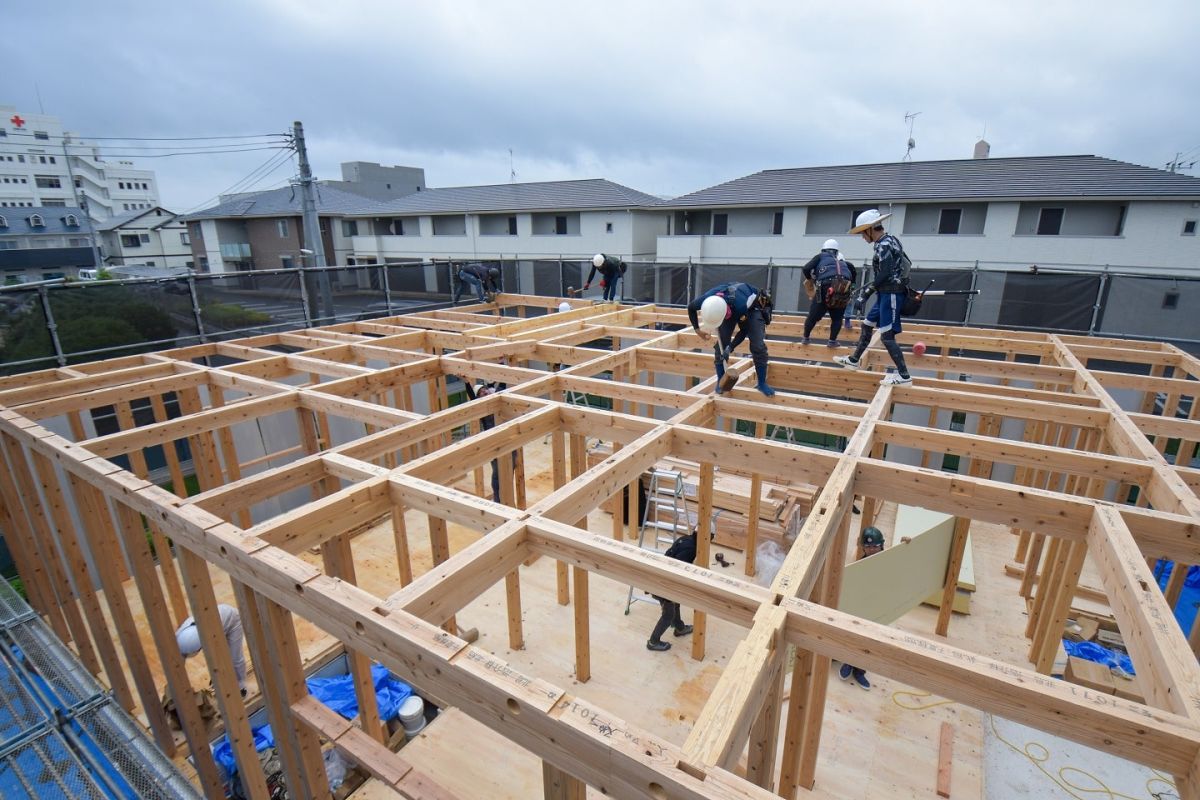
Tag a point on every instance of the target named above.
point(666, 518)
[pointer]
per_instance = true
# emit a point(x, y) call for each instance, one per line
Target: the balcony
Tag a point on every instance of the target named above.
point(235, 250)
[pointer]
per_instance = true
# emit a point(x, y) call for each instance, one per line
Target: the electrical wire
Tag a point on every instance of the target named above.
point(80, 137)
point(196, 152)
point(1039, 755)
point(256, 176)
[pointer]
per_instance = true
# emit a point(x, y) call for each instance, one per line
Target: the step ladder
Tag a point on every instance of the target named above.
point(788, 434)
point(666, 518)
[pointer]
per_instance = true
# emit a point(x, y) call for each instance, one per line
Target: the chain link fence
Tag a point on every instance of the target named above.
point(66, 322)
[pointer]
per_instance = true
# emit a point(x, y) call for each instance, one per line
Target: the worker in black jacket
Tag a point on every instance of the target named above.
point(611, 269)
point(484, 280)
point(682, 549)
point(833, 280)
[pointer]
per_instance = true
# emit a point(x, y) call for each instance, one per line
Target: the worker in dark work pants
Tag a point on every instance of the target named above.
point(682, 549)
point(611, 269)
point(484, 280)
point(833, 280)
point(735, 305)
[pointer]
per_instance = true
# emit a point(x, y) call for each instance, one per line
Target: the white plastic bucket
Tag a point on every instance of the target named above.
point(412, 715)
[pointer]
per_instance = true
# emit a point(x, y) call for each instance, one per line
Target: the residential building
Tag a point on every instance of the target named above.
point(43, 165)
point(545, 220)
point(42, 243)
point(1078, 213)
point(152, 237)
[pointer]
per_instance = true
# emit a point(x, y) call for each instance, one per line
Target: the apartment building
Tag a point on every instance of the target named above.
point(152, 237)
point(541, 220)
point(43, 165)
point(42, 243)
point(1078, 213)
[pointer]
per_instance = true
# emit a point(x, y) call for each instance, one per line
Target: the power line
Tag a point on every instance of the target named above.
point(197, 152)
point(270, 166)
point(80, 137)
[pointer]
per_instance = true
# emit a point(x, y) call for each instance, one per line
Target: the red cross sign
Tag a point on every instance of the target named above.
point(17, 121)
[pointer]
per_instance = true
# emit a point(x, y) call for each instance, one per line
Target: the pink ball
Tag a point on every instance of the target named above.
point(919, 349)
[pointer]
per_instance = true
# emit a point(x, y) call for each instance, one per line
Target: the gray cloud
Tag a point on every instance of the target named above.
point(666, 97)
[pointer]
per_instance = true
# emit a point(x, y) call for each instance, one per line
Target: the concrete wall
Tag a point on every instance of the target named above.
point(1079, 219)
point(546, 224)
point(495, 224)
point(267, 247)
point(449, 225)
point(924, 218)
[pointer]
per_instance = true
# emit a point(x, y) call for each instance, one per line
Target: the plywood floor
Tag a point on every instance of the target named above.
point(878, 743)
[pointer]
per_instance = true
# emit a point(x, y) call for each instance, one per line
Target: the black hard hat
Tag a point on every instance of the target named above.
point(764, 297)
point(493, 273)
point(872, 537)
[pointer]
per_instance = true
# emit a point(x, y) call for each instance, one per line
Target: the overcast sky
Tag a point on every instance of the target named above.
point(666, 97)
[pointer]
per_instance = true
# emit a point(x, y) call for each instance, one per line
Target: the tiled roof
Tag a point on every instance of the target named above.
point(1058, 177)
point(53, 216)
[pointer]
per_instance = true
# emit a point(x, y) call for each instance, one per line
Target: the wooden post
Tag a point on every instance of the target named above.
point(760, 430)
point(583, 647)
point(198, 582)
point(559, 785)
point(512, 581)
point(439, 547)
point(558, 469)
point(764, 736)
point(339, 563)
point(400, 536)
point(958, 547)
point(703, 559)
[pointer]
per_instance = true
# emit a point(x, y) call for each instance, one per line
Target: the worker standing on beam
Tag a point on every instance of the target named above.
point(682, 549)
point(188, 639)
point(484, 280)
point(735, 304)
point(832, 278)
point(891, 283)
point(611, 269)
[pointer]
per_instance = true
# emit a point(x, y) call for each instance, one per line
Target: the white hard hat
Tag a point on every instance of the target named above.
point(830, 244)
point(598, 260)
point(564, 306)
point(188, 638)
point(840, 257)
point(712, 313)
point(868, 219)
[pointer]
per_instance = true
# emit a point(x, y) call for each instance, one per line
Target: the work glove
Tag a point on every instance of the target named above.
point(587, 286)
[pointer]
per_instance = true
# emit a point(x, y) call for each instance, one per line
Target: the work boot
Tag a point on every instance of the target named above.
point(761, 371)
point(893, 348)
point(658, 646)
point(804, 340)
point(849, 362)
point(833, 343)
point(845, 672)
point(683, 630)
point(860, 678)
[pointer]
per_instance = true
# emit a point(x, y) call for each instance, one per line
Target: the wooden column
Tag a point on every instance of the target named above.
point(764, 736)
point(559, 785)
point(512, 581)
point(400, 536)
point(703, 559)
point(760, 430)
point(439, 547)
point(558, 470)
point(958, 547)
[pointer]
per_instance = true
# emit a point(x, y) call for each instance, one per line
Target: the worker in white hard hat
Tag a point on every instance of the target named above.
point(739, 305)
point(891, 284)
point(188, 638)
point(832, 278)
point(611, 269)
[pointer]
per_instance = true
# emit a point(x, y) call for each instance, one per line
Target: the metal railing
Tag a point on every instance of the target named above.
point(57, 323)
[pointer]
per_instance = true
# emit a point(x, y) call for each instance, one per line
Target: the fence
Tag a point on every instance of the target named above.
point(60, 323)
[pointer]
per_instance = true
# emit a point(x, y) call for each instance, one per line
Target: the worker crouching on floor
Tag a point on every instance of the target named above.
point(682, 549)
point(188, 639)
point(735, 304)
point(872, 543)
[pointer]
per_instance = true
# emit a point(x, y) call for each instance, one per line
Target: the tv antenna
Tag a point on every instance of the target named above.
point(512, 172)
point(912, 143)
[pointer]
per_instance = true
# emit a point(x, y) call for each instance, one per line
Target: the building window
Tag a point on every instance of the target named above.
point(512, 226)
point(72, 221)
point(1171, 300)
point(285, 262)
point(47, 182)
point(560, 226)
point(78, 183)
point(145, 237)
point(196, 231)
point(1189, 227)
point(949, 220)
point(203, 263)
point(720, 224)
point(36, 221)
point(1050, 221)
point(183, 238)
point(349, 227)
point(608, 227)
point(41, 135)
point(130, 240)
point(3, 221)
point(398, 227)
point(54, 203)
point(777, 224)
point(281, 225)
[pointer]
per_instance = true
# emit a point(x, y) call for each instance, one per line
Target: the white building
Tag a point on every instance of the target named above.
point(152, 237)
point(43, 165)
point(1077, 213)
point(547, 220)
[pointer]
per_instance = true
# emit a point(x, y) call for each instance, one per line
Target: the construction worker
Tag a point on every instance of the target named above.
point(833, 279)
point(872, 543)
point(484, 280)
point(729, 304)
point(682, 549)
point(891, 283)
point(611, 269)
point(481, 390)
point(188, 638)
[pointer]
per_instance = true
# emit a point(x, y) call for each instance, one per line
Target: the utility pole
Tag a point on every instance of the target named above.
point(312, 225)
point(81, 202)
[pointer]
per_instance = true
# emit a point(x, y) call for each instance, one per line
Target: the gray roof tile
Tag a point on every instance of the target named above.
point(285, 202)
point(983, 179)
point(53, 216)
point(594, 193)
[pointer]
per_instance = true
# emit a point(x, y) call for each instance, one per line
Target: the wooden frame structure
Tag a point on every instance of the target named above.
point(1088, 479)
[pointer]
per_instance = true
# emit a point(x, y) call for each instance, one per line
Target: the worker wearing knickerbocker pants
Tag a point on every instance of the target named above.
point(188, 639)
point(833, 279)
point(891, 283)
point(611, 269)
point(739, 305)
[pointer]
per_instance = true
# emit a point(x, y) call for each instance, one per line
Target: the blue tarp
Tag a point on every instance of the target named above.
point(1185, 609)
point(338, 694)
point(1091, 651)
